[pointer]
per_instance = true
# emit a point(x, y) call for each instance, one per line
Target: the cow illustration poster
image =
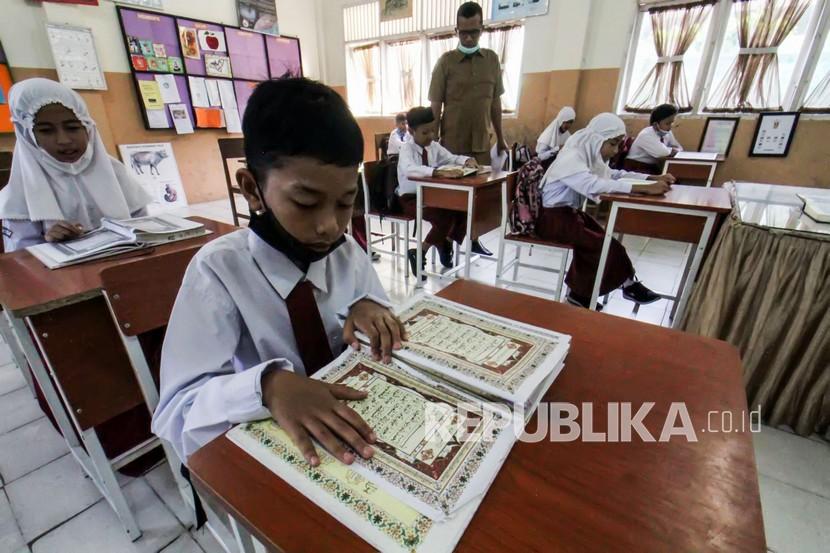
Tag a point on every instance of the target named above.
point(154, 166)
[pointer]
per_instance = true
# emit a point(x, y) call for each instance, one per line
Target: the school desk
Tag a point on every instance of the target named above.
point(693, 171)
point(764, 290)
point(80, 361)
point(684, 214)
point(568, 496)
point(479, 196)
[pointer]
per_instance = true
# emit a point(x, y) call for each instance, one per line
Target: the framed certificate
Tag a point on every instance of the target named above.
point(774, 134)
point(718, 135)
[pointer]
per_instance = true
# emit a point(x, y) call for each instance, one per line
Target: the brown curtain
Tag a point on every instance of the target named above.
point(752, 84)
point(819, 99)
point(675, 29)
point(408, 54)
point(766, 292)
point(366, 59)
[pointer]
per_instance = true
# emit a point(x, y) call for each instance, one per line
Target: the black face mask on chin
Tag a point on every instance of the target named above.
point(267, 227)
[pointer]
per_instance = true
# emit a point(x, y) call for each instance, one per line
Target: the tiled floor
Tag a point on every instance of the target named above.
point(47, 504)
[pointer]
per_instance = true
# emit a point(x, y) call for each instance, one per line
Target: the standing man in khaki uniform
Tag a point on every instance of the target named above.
point(465, 93)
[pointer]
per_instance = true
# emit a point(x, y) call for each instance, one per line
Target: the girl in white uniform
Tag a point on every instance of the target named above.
point(62, 180)
point(556, 134)
point(655, 142)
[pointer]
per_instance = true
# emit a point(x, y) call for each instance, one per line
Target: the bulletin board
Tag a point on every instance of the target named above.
point(5, 84)
point(215, 67)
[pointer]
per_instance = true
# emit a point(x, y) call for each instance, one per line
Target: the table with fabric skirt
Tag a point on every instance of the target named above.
point(766, 289)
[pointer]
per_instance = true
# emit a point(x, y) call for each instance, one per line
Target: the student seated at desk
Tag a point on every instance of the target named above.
point(421, 157)
point(62, 180)
point(556, 134)
point(581, 170)
point(399, 136)
point(261, 309)
point(654, 143)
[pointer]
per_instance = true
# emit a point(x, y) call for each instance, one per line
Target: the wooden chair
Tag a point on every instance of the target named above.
point(519, 242)
point(369, 172)
point(140, 295)
point(381, 145)
point(233, 152)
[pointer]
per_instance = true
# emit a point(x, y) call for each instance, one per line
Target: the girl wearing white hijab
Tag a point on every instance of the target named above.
point(581, 170)
point(553, 138)
point(62, 180)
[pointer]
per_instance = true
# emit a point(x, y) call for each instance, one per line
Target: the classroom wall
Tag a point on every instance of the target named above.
point(116, 111)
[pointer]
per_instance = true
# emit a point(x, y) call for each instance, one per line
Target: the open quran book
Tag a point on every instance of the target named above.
point(446, 411)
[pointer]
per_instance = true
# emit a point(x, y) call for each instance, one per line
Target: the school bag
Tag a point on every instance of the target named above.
point(618, 161)
point(527, 201)
point(382, 191)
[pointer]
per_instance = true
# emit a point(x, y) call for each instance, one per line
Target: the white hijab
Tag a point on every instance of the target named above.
point(41, 188)
point(552, 135)
point(582, 152)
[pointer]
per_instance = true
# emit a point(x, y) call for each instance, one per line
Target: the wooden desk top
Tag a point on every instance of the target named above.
point(473, 181)
point(690, 197)
point(28, 287)
point(568, 496)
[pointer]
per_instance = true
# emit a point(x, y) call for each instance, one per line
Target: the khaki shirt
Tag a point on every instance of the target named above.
point(467, 86)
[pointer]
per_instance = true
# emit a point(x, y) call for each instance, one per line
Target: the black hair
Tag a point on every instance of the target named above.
point(468, 10)
point(419, 116)
point(663, 111)
point(299, 118)
point(400, 118)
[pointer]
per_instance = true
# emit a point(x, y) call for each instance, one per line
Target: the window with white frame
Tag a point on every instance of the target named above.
point(728, 56)
point(389, 64)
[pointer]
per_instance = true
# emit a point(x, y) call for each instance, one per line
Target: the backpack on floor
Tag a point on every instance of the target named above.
point(527, 202)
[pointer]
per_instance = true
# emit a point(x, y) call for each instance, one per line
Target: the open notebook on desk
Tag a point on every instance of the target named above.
point(461, 171)
point(115, 237)
point(446, 411)
point(695, 156)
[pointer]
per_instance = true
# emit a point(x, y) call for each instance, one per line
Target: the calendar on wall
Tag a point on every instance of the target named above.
point(76, 59)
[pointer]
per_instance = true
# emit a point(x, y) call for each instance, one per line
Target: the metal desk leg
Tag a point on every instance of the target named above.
point(244, 540)
point(17, 352)
point(698, 257)
point(603, 258)
point(468, 243)
point(690, 257)
point(419, 245)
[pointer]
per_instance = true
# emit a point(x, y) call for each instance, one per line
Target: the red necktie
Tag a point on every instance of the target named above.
point(424, 157)
point(309, 332)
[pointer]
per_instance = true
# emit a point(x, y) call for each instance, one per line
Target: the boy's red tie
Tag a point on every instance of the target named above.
point(424, 157)
point(309, 332)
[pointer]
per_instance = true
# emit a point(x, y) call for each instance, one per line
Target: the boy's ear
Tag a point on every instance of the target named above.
point(247, 183)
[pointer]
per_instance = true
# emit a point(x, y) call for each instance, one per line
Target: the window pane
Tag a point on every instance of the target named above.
point(363, 79)
point(508, 44)
point(819, 92)
point(402, 77)
point(788, 53)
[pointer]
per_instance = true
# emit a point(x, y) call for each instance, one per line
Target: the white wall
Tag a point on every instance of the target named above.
point(574, 34)
point(23, 31)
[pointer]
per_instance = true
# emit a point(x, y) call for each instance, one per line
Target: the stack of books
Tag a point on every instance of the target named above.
point(446, 411)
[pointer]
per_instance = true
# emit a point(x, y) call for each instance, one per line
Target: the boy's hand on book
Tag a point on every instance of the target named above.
point(63, 230)
point(471, 162)
point(658, 188)
point(384, 329)
point(307, 409)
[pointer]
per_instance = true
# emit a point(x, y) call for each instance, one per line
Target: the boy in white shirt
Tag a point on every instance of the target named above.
point(399, 136)
point(654, 143)
point(421, 157)
point(581, 170)
point(262, 309)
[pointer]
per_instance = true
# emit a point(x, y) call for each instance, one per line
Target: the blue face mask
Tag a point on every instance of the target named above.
point(468, 51)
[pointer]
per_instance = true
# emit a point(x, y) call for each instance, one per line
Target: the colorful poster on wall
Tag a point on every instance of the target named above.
point(258, 15)
point(284, 58)
point(154, 166)
point(75, 57)
point(518, 9)
point(395, 9)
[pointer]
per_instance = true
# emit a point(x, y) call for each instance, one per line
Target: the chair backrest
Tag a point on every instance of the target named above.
point(232, 151)
point(369, 176)
point(142, 292)
point(381, 145)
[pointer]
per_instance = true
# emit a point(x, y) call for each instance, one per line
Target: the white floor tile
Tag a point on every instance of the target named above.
point(161, 480)
point(183, 544)
point(795, 521)
point(208, 542)
point(18, 408)
point(10, 537)
point(5, 354)
point(45, 498)
point(659, 278)
point(99, 529)
point(28, 448)
point(797, 461)
point(11, 378)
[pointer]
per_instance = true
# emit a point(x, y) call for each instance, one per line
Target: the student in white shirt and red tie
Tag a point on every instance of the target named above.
point(399, 136)
point(261, 309)
point(654, 143)
point(421, 157)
